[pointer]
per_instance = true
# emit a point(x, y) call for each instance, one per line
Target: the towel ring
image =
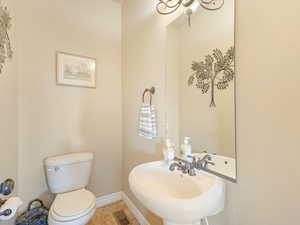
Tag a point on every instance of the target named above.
point(151, 92)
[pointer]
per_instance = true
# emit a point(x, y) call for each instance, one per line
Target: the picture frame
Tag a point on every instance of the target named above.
point(75, 70)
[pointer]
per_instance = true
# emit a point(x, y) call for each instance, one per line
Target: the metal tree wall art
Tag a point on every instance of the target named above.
point(5, 46)
point(216, 71)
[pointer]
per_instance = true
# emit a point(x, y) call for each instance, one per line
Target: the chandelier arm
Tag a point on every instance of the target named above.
point(205, 1)
point(206, 5)
point(188, 3)
point(168, 5)
point(163, 6)
point(174, 8)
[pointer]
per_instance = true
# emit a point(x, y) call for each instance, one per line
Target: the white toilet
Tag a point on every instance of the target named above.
point(67, 176)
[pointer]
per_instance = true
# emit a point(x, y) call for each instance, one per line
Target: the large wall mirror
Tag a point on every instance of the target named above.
point(200, 84)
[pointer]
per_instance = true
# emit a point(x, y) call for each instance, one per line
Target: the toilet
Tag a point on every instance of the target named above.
point(67, 177)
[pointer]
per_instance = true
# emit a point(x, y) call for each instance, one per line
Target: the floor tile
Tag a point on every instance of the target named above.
point(106, 215)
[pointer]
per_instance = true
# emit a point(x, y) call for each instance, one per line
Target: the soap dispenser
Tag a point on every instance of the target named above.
point(186, 148)
point(168, 151)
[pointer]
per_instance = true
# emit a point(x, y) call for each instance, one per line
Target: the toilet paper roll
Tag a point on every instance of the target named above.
point(13, 204)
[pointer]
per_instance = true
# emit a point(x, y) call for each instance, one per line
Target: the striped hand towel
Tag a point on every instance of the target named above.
point(147, 122)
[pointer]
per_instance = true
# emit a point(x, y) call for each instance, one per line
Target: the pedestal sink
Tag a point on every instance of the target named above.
point(178, 199)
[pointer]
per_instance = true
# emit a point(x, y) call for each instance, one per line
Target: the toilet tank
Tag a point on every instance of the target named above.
point(68, 172)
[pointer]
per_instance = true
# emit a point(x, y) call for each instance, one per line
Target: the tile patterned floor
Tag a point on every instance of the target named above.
point(113, 215)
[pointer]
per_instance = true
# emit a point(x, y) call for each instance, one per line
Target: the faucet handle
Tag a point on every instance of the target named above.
point(209, 157)
point(208, 163)
point(6, 212)
point(194, 158)
point(7, 187)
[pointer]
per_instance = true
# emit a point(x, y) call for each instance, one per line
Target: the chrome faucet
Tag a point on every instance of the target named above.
point(185, 166)
point(202, 163)
point(188, 167)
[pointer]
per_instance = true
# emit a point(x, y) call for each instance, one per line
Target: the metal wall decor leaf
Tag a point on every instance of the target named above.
point(5, 44)
point(216, 71)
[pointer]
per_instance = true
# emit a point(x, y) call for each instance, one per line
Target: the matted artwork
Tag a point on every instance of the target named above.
point(76, 70)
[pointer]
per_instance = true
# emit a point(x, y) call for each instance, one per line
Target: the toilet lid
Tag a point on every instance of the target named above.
point(73, 203)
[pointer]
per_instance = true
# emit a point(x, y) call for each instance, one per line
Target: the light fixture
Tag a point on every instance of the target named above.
point(166, 7)
point(190, 10)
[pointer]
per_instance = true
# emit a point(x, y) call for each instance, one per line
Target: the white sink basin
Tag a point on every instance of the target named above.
point(177, 198)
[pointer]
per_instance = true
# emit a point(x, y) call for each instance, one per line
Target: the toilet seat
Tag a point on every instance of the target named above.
point(72, 205)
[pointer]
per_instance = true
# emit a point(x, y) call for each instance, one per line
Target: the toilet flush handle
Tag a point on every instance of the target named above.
point(55, 169)
point(7, 187)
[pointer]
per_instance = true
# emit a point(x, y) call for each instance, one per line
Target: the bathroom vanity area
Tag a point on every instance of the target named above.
point(200, 125)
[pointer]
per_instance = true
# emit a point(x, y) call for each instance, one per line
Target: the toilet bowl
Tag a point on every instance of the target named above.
point(72, 208)
point(67, 177)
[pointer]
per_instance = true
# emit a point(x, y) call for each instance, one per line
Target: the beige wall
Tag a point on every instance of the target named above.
point(268, 51)
point(9, 110)
point(9, 113)
point(143, 65)
point(172, 84)
point(56, 119)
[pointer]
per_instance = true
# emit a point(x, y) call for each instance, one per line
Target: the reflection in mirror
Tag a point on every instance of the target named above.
point(200, 84)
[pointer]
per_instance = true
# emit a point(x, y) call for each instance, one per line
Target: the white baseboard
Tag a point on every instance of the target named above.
point(114, 197)
point(135, 211)
point(108, 199)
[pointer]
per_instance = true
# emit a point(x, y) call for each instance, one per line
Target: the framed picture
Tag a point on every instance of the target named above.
point(75, 70)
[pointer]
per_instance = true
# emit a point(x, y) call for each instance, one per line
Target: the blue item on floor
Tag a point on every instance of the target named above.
point(34, 215)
